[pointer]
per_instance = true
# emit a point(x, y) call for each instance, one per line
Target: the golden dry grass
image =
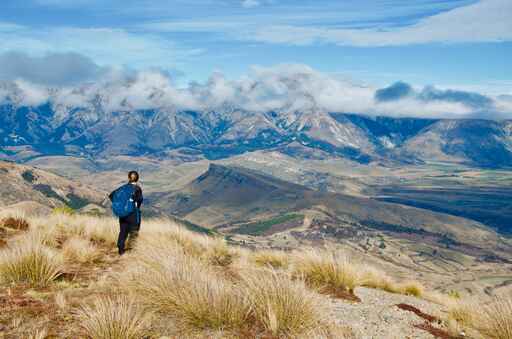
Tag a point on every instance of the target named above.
point(375, 278)
point(495, 321)
point(271, 258)
point(113, 318)
point(492, 319)
point(186, 289)
point(180, 277)
point(80, 250)
point(327, 271)
point(31, 263)
point(283, 307)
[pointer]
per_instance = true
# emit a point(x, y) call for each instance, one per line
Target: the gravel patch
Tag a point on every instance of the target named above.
point(378, 317)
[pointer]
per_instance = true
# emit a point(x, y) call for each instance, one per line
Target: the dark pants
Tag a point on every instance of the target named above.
point(129, 227)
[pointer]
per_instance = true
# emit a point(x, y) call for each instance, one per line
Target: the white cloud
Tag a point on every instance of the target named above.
point(107, 46)
point(250, 3)
point(485, 21)
point(51, 69)
point(284, 87)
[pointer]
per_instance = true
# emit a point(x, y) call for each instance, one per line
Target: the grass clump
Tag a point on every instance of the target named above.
point(412, 287)
point(219, 253)
point(113, 318)
point(282, 307)
point(495, 321)
point(270, 258)
point(30, 263)
point(374, 278)
point(327, 271)
point(491, 319)
point(187, 290)
point(80, 250)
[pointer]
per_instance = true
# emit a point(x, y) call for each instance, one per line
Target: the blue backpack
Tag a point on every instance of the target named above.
point(122, 203)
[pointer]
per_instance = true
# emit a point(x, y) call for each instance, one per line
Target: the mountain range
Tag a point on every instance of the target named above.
point(93, 131)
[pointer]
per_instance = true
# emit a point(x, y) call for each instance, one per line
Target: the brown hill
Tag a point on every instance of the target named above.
point(20, 183)
point(245, 201)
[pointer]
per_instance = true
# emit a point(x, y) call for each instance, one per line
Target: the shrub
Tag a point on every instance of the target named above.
point(30, 263)
point(283, 307)
point(113, 318)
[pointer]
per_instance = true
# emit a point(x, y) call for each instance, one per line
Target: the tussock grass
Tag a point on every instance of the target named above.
point(213, 250)
point(38, 334)
point(199, 284)
point(375, 278)
point(157, 234)
point(462, 311)
point(328, 271)
point(411, 287)
point(187, 290)
point(30, 263)
point(113, 318)
point(219, 253)
point(282, 306)
point(57, 228)
point(80, 250)
point(491, 319)
point(271, 258)
point(495, 321)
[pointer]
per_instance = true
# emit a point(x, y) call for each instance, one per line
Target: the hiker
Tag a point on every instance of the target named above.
point(126, 202)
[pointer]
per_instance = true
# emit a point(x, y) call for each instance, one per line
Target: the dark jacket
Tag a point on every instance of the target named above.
point(133, 218)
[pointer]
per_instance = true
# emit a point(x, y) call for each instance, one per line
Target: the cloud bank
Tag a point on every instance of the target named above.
point(284, 87)
point(401, 90)
point(53, 69)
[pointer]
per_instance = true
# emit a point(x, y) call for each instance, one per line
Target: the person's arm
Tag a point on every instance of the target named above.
point(138, 197)
point(111, 195)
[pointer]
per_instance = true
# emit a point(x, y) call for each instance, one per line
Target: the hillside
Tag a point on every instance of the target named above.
point(22, 183)
point(237, 199)
point(175, 283)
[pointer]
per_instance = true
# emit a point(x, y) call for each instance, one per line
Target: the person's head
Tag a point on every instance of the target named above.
point(133, 176)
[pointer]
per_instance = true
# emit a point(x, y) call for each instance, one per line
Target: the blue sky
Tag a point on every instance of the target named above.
point(464, 44)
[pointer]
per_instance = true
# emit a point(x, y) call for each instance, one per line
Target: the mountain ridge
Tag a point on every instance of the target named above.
point(29, 132)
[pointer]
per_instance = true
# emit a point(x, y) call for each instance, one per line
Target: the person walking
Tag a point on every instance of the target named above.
point(126, 203)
